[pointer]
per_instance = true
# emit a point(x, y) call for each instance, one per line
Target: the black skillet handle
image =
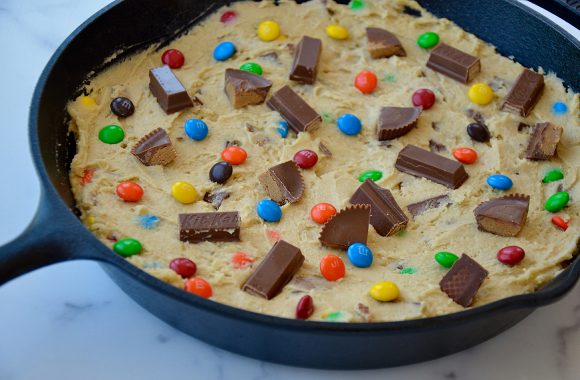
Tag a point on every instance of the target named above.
point(53, 236)
point(568, 10)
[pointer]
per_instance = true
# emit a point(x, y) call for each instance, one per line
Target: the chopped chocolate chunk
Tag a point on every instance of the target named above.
point(197, 101)
point(209, 226)
point(497, 84)
point(419, 208)
point(454, 63)
point(245, 88)
point(324, 149)
point(386, 216)
point(524, 94)
point(476, 116)
point(216, 199)
point(522, 126)
point(434, 126)
point(463, 280)
point(299, 115)
point(306, 59)
point(422, 163)
point(411, 11)
point(348, 226)
point(283, 183)
point(271, 56)
point(544, 141)
point(397, 121)
point(122, 107)
point(250, 127)
point(275, 270)
point(155, 148)
point(504, 216)
point(232, 143)
point(383, 44)
point(362, 311)
point(170, 93)
point(435, 146)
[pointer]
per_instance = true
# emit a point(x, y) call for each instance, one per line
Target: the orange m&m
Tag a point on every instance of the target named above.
point(465, 155)
point(365, 81)
point(199, 287)
point(129, 191)
point(234, 155)
point(332, 267)
point(321, 212)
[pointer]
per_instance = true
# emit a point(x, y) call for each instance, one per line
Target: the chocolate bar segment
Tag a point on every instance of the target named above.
point(170, 93)
point(454, 63)
point(283, 183)
point(209, 226)
point(524, 94)
point(504, 216)
point(244, 88)
point(383, 44)
point(544, 141)
point(419, 208)
point(386, 216)
point(463, 280)
point(422, 163)
point(299, 115)
point(397, 121)
point(306, 57)
point(155, 148)
point(348, 226)
point(275, 270)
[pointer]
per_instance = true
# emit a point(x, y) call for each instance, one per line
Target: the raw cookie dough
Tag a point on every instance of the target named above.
point(334, 178)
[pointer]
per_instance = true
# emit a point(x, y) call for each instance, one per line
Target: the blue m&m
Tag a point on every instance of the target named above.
point(196, 129)
point(559, 108)
point(500, 182)
point(360, 255)
point(283, 129)
point(224, 51)
point(349, 124)
point(269, 210)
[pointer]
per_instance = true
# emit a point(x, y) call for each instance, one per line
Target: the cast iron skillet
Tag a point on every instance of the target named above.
point(56, 234)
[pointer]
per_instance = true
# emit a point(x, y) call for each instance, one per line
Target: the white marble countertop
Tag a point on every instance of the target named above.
point(70, 321)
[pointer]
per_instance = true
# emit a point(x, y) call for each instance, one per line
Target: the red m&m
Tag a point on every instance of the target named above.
point(511, 255)
point(241, 260)
point(560, 223)
point(183, 267)
point(366, 82)
point(424, 98)
point(129, 191)
point(173, 58)
point(321, 212)
point(305, 307)
point(305, 159)
point(228, 16)
point(465, 155)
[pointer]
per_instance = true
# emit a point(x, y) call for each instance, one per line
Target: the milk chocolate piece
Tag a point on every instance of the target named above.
point(348, 226)
point(170, 93)
point(275, 270)
point(504, 216)
point(216, 199)
point(283, 183)
point(397, 121)
point(386, 216)
point(463, 280)
point(524, 94)
point(544, 141)
point(383, 44)
point(244, 88)
point(299, 115)
point(419, 208)
point(422, 163)
point(209, 226)
point(454, 63)
point(155, 148)
point(306, 59)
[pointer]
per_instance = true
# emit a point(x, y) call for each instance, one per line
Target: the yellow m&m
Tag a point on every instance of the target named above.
point(268, 30)
point(384, 291)
point(337, 32)
point(184, 192)
point(480, 93)
point(87, 101)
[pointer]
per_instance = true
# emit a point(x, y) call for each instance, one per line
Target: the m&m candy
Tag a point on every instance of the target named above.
point(511, 255)
point(305, 158)
point(360, 255)
point(478, 132)
point(557, 201)
point(128, 247)
point(373, 175)
point(184, 192)
point(220, 172)
point(87, 101)
point(234, 155)
point(465, 155)
point(500, 182)
point(129, 191)
point(305, 307)
point(228, 16)
point(322, 212)
point(384, 291)
point(183, 267)
point(337, 32)
point(122, 107)
point(283, 129)
point(332, 267)
point(423, 98)
point(553, 175)
point(365, 81)
point(196, 129)
point(252, 67)
point(148, 221)
point(559, 222)
point(559, 108)
point(269, 210)
point(111, 134)
point(241, 260)
point(199, 287)
point(349, 124)
point(428, 40)
point(173, 58)
point(224, 51)
point(268, 30)
point(480, 93)
point(446, 259)
point(356, 4)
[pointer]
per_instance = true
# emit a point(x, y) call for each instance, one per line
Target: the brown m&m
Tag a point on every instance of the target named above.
point(122, 107)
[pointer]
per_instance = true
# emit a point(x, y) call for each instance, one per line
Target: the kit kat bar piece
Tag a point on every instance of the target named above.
point(299, 115)
point(524, 94)
point(462, 282)
point(209, 226)
point(422, 163)
point(544, 141)
point(383, 44)
point(275, 270)
point(454, 63)
point(306, 57)
point(170, 93)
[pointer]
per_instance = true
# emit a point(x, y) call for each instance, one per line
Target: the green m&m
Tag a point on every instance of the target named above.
point(373, 175)
point(128, 247)
point(428, 40)
point(111, 134)
point(252, 67)
point(553, 175)
point(446, 259)
point(557, 201)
